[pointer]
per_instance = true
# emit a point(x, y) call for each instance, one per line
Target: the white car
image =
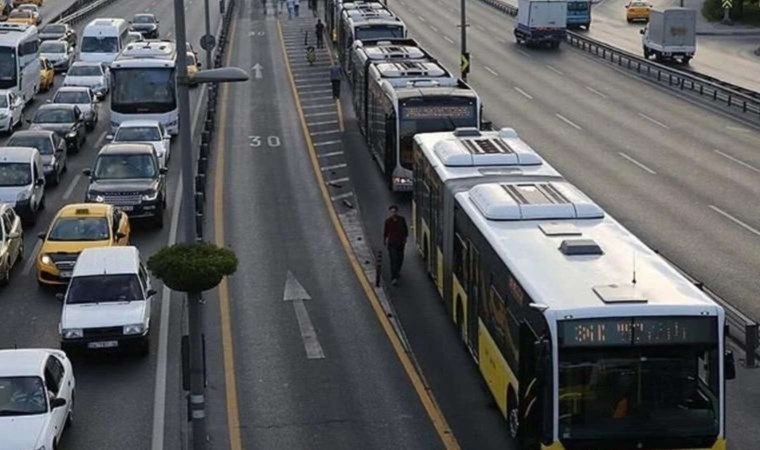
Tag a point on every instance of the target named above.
point(11, 110)
point(36, 398)
point(59, 53)
point(82, 97)
point(108, 302)
point(92, 75)
point(145, 132)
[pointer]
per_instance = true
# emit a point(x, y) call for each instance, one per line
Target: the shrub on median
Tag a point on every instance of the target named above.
point(192, 267)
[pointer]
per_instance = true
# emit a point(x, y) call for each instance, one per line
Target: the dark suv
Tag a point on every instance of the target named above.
point(129, 176)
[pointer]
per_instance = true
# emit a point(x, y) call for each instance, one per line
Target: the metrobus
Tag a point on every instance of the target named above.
point(334, 8)
point(454, 161)
point(144, 84)
point(585, 337)
point(397, 109)
point(365, 53)
point(372, 26)
point(19, 60)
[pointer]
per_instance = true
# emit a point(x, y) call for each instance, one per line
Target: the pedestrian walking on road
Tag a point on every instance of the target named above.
point(297, 6)
point(395, 234)
point(320, 31)
point(335, 76)
point(291, 7)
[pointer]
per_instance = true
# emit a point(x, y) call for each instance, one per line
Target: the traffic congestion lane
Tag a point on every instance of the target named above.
point(353, 393)
point(31, 315)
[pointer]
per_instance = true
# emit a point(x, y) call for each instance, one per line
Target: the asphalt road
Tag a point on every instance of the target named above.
point(115, 395)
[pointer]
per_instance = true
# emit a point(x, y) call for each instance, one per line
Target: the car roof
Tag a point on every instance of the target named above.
point(56, 106)
point(139, 123)
point(107, 261)
point(126, 148)
point(23, 362)
point(144, 14)
point(87, 64)
point(16, 154)
point(46, 133)
point(85, 210)
point(72, 89)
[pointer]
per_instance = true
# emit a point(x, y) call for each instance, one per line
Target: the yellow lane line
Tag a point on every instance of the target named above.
point(230, 382)
point(425, 395)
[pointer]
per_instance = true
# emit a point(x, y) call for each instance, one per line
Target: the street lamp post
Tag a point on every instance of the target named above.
point(464, 58)
point(209, 49)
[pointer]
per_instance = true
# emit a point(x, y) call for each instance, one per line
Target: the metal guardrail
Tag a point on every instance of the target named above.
point(79, 10)
point(738, 100)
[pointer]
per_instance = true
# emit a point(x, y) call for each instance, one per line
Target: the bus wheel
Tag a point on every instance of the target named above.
point(513, 417)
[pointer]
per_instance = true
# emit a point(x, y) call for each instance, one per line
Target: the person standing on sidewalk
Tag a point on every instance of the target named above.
point(395, 234)
point(320, 31)
point(335, 76)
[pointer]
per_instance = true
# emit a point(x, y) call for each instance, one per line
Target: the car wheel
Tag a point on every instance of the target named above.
point(70, 416)
point(6, 276)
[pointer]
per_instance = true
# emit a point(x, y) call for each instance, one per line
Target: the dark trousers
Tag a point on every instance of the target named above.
point(336, 88)
point(396, 255)
point(320, 40)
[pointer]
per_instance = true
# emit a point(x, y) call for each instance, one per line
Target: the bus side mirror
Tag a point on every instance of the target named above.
point(729, 365)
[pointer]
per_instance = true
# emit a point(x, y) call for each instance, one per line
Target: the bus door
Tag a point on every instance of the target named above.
point(531, 375)
point(473, 299)
point(390, 146)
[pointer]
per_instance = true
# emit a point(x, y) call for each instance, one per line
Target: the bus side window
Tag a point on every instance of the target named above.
point(460, 259)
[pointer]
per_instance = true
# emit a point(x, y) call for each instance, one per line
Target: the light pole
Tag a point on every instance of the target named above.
point(464, 60)
point(209, 48)
point(194, 304)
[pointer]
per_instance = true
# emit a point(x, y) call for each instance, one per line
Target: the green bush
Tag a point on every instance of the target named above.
point(712, 10)
point(192, 267)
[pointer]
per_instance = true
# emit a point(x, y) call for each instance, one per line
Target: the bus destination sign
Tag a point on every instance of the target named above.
point(438, 112)
point(637, 331)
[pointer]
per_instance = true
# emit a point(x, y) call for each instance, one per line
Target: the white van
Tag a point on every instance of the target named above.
point(108, 302)
point(103, 39)
point(22, 181)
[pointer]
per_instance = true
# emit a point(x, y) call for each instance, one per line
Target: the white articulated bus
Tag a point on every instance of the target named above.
point(19, 60)
point(366, 25)
point(144, 84)
point(586, 338)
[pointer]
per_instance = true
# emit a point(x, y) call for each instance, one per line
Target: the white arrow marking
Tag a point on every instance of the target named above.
point(295, 293)
point(257, 69)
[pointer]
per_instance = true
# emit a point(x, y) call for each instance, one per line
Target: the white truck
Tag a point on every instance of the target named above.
point(541, 22)
point(670, 34)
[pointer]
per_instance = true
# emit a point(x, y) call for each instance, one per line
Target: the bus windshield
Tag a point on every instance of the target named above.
point(639, 392)
point(149, 90)
point(378, 32)
point(100, 44)
point(430, 114)
point(8, 65)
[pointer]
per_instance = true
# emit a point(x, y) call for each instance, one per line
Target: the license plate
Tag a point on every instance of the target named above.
point(66, 274)
point(127, 207)
point(103, 344)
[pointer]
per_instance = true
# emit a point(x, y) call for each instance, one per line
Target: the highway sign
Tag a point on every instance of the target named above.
point(728, 4)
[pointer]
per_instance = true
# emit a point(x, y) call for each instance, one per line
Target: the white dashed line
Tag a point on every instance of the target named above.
point(654, 121)
point(640, 165)
point(600, 94)
point(71, 187)
point(434, 28)
point(335, 198)
point(522, 52)
point(326, 122)
point(735, 220)
point(554, 69)
point(31, 258)
point(328, 154)
point(491, 71)
point(523, 93)
point(333, 167)
point(422, 19)
point(320, 144)
point(322, 133)
point(568, 121)
point(448, 39)
point(738, 161)
point(739, 129)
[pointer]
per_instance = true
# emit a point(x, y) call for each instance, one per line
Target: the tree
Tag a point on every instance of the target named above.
point(192, 267)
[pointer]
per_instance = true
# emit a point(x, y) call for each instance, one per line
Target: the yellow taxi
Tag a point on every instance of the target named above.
point(193, 65)
point(22, 17)
point(47, 75)
point(25, 2)
point(637, 11)
point(75, 228)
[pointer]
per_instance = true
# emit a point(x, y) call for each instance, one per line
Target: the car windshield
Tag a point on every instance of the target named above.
point(41, 143)
point(19, 14)
point(3, 101)
point(79, 229)
point(22, 396)
point(104, 288)
point(139, 165)
point(30, 8)
point(15, 174)
point(137, 134)
point(54, 116)
point(54, 29)
point(71, 97)
point(143, 19)
point(99, 44)
point(85, 71)
point(52, 47)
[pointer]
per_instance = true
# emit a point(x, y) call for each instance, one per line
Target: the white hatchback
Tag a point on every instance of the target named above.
point(11, 110)
point(36, 398)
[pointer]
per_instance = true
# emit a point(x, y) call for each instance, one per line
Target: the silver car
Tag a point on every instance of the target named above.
point(59, 53)
point(145, 131)
point(83, 98)
point(92, 75)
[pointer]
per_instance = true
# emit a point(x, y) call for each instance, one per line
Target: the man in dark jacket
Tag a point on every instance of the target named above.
point(320, 32)
point(394, 236)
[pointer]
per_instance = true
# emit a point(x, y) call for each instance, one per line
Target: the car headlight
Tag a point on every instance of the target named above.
point(150, 196)
point(72, 333)
point(136, 328)
point(71, 134)
point(98, 198)
point(46, 259)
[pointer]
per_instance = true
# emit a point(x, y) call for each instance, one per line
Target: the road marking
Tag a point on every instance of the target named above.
point(228, 354)
point(642, 166)
point(735, 220)
point(32, 258)
point(329, 154)
point(434, 28)
point(523, 93)
point(333, 167)
point(296, 294)
point(72, 185)
point(554, 69)
point(654, 121)
point(336, 180)
point(319, 144)
point(313, 85)
point(491, 71)
point(100, 137)
point(326, 122)
point(335, 198)
point(600, 94)
point(739, 129)
point(522, 52)
point(738, 161)
point(257, 68)
point(422, 19)
point(329, 105)
point(321, 114)
point(568, 121)
point(320, 91)
point(321, 133)
point(448, 39)
point(424, 393)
